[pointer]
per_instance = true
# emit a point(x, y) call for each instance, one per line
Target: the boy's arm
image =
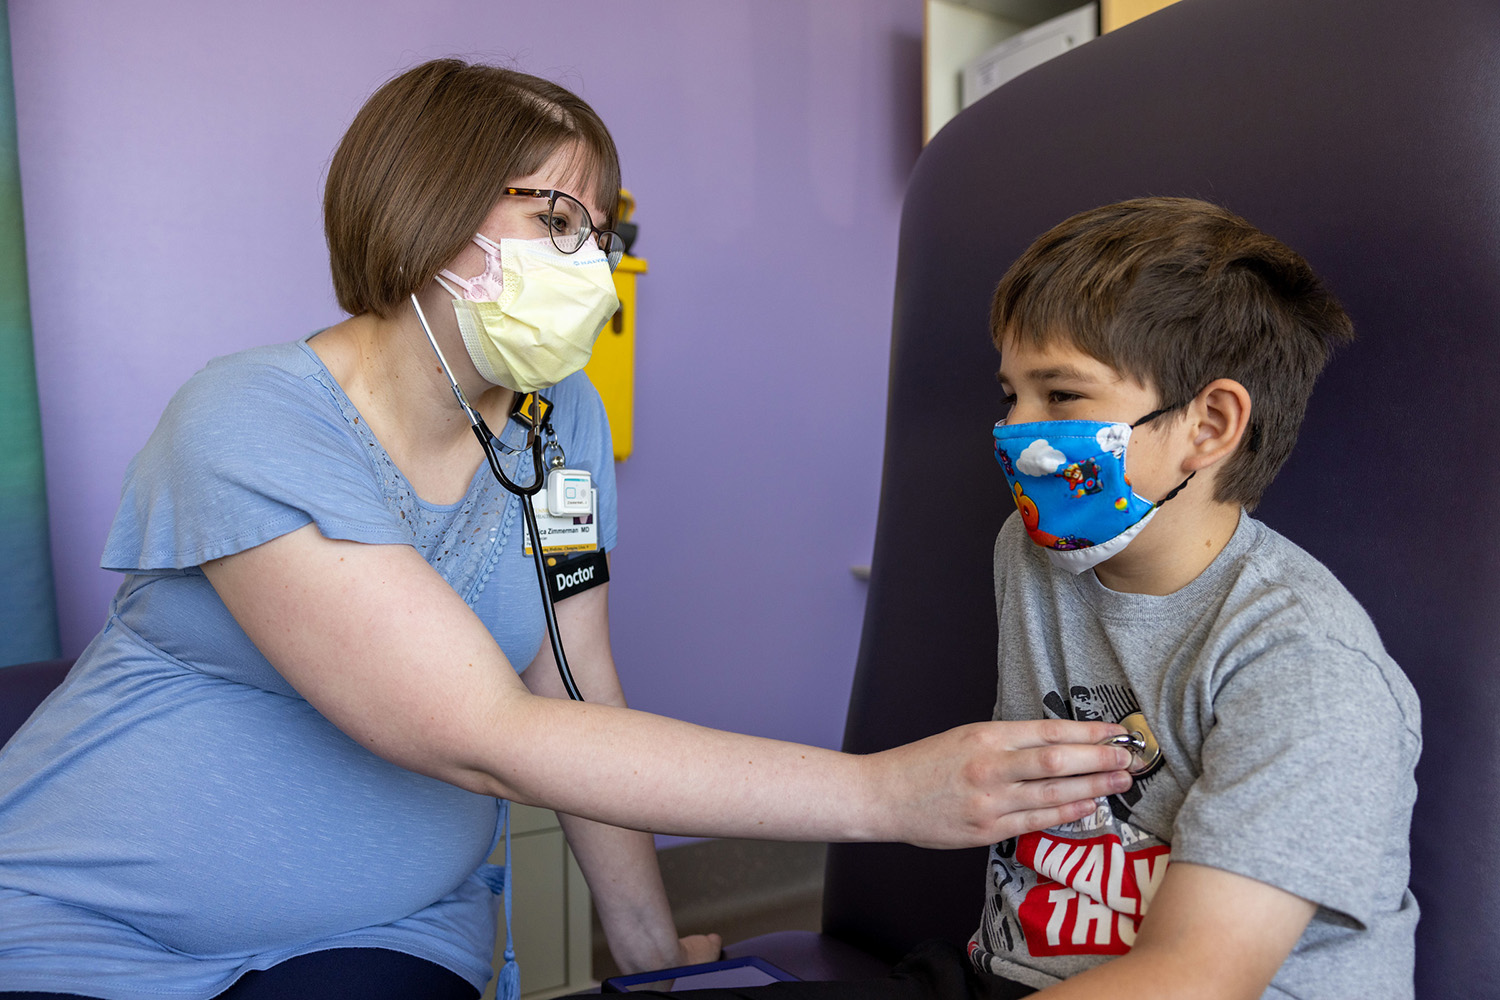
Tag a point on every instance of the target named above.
point(1210, 935)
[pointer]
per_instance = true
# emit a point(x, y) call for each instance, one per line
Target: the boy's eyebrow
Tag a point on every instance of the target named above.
point(1055, 373)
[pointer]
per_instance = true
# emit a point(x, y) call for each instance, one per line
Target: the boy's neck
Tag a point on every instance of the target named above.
point(1173, 550)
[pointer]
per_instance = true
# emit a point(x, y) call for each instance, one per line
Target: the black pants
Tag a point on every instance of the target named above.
point(935, 970)
point(337, 974)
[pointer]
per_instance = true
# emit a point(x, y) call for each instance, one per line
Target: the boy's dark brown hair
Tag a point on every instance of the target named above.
point(1175, 293)
point(425, 161)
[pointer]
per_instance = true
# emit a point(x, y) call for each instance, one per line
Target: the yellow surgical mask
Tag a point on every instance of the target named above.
point(531, 318)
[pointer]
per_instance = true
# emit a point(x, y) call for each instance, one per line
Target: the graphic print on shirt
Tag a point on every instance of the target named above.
point(1080, 888)
point(1102, 703)
point(1077, 889)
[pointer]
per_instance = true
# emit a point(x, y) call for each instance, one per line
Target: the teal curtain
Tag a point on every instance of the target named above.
point(28, 614)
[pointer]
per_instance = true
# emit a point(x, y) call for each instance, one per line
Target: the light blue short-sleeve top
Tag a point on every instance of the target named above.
point(176, 814)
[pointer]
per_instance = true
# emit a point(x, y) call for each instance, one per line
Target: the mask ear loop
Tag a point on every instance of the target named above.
point(524, 493)
point(1146, 420)
point(1176, 490)
point(447, 280)
point(1153, 415)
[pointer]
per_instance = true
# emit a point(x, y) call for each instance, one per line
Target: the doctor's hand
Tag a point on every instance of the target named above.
point(990, 781)
point(695, 949)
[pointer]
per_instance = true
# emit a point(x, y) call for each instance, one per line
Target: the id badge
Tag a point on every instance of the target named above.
point(567, 533)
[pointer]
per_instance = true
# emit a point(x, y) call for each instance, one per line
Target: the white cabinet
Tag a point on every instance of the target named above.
point(958, 32)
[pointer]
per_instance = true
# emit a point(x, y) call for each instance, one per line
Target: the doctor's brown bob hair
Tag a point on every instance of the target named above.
point(425, 161)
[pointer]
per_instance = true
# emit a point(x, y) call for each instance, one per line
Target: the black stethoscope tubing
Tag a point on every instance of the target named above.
point(523, 495)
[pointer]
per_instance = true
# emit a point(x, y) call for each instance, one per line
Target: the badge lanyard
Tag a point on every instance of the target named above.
point(534, 443)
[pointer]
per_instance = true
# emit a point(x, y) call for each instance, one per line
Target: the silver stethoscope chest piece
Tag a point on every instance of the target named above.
point(1145, 753)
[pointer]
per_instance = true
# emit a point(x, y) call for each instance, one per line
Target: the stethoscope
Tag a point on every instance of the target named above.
point(534, 441)
point(1145, 752)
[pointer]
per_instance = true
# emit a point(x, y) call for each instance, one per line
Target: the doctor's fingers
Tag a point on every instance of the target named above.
point(1021, 821)
point(1043, 802)
point(1047, 732)
point(1045, 793)
point(1037, 765)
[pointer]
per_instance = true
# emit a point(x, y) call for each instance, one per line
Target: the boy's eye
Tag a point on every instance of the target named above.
point(1007, 403)
point(1058, 396)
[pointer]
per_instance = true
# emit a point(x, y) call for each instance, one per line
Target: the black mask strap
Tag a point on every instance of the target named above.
point(1146, 420)
point(1175, 491)
point(1153, 415)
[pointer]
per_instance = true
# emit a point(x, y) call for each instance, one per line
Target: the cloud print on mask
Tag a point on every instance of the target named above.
point(1040, 459)
point(1113, 438)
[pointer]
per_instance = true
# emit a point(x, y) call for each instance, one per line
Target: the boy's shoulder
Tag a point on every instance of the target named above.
point(1265, 603)
point(1270, 582)
point(1262, 579)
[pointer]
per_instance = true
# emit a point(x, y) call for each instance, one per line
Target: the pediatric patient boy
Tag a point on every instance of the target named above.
point(1157, 357)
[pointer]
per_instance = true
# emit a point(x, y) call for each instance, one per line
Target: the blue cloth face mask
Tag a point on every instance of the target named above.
point(1068, 480)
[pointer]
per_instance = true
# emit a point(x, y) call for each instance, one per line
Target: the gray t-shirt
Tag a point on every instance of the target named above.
point(1288, 739)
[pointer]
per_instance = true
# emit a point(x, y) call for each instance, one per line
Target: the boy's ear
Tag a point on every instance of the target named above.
point(1218, 416)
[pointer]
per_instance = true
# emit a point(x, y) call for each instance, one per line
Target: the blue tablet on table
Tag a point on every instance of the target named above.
point(747, 971)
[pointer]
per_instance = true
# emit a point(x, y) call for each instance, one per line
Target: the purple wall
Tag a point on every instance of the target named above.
point(172, 157)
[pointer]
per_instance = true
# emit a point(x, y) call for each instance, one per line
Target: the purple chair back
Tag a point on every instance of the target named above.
point(1366, 135)
point(23, 687)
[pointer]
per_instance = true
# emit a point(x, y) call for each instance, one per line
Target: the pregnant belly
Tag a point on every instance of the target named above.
point(238, 824)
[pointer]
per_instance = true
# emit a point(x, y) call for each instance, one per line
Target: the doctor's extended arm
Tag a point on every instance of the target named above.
point(385, 649)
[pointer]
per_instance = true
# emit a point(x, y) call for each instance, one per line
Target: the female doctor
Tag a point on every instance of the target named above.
point(275, 771)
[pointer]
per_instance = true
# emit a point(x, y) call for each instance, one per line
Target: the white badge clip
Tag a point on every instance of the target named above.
point(569, 492)
point(565, 509)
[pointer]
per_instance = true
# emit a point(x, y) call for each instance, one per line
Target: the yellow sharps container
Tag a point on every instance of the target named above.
point(612, 366)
